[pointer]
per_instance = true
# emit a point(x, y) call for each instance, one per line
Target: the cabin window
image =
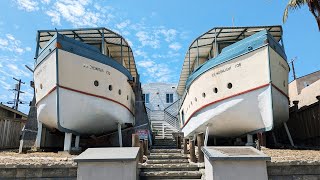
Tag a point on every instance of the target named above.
point(203, 95)
point(110, 87)
point(229, 85)
point(195, 99)
point(284, 83)
point(40, 86)
point(145, 98)
point(215, 90)
point(127, 97)
point(169, 98)
point(96, 83)
point(119, 91)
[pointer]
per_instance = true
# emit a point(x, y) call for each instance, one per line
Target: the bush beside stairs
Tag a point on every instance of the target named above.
point(165, 161)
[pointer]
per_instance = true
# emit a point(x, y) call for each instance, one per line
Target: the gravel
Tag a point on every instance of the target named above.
point(14, 159)
point(288, 155)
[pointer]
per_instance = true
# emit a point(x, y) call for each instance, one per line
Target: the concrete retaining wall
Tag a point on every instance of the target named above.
point(38, 171)
point(276, 171)
point(294, 170)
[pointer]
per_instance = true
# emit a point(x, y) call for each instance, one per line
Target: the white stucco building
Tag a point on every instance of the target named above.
point(162, 103)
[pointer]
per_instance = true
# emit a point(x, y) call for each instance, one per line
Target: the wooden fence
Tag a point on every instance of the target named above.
point(10, 132)
point(303, 124)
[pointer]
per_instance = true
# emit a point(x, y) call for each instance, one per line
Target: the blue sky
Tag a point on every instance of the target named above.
point(158, 31)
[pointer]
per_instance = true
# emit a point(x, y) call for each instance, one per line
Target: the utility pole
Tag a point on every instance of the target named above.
point(17, 90)
point(292, 65)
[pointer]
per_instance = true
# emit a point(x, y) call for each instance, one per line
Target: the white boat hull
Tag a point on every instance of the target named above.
point(68, 99)
point(256, 102)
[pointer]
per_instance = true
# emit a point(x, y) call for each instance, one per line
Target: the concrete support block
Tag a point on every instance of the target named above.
point(77, 142)
point(39, 135)
point(67, 142)
point(235, 163)
point(108, 163)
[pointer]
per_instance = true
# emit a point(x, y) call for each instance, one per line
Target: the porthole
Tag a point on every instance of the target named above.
point(191, 102)
point(195, 99)
point(215, 90)
point(119, 91)
point(203, 95)
point(127, 97)
point(40, 86)
point(96, 83)
point(284, 83)
point(110, 87)
point(229, 85)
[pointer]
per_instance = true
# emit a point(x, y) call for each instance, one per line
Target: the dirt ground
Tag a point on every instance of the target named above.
point(50, 158)
point(287, 155)
point(36, 158)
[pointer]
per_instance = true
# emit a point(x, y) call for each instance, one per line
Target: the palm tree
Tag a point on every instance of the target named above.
point(314, 7)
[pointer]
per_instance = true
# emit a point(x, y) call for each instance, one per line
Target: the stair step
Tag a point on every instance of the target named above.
point(168, 156)
point(171, 174)
point(169, 167)
point(165, 150)
point(167, 161)
point(164, 147)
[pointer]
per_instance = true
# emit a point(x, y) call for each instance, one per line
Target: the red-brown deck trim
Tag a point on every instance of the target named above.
point(89, 94)
point(244, 92)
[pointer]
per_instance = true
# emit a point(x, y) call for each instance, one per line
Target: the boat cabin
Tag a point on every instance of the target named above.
point(210, 44)
point(106, 41)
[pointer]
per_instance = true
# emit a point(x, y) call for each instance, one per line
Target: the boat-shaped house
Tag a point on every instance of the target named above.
point(234, 81)
point(83, 81)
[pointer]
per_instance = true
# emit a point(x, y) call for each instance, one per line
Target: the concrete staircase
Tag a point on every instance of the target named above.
point(168, 164)
point(164, 144)
point(162, 129)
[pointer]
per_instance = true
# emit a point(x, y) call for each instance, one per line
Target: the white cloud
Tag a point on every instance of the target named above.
point(28, 48)
point(79, 13)
point(123, 24)
point(18, 71)
point(10, 36)
point(28, 5)
point(10, 43)
point(157, 72)
point(5, 85)
point(175, 46)
point(45, 1)
point(3, 42)
point(169, 34)
point(141, 53)
point(146, 39)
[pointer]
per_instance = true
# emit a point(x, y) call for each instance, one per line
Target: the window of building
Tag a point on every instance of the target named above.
point(146, 98)
point(169, 98)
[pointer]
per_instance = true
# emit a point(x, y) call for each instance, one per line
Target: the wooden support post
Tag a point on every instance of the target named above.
point(141, 152)
point(200, 141)
point(135, 140)
point(192, 151)
point(185, 146)
point(179, 142)
point(145, 145)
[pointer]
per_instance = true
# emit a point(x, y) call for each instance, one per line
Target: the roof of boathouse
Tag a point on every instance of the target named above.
point(204, 47)
point(117, 46)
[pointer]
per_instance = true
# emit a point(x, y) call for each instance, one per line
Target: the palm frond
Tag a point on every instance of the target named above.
point(292, 5)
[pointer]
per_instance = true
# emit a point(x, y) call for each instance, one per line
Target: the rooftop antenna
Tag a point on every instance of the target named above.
point(16, 101)
point(292, 65)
